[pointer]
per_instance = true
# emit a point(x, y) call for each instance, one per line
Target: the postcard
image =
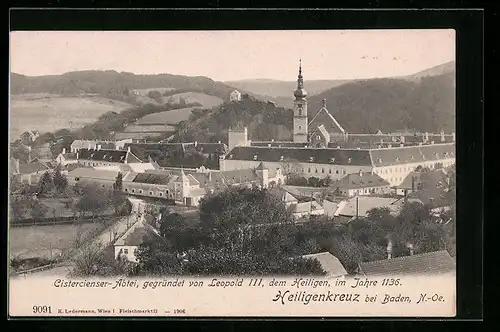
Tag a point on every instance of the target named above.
point(290, 173)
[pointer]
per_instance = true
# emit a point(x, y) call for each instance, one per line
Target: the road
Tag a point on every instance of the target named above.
point(105, 238)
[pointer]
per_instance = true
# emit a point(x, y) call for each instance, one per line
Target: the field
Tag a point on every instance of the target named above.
point(193, 97)
point(39, 241)
point(168, 117)
point(148, 128)
point(47, 113)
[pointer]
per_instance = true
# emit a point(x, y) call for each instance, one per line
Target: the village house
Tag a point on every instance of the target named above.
point(126, 246)
point(330, 264)
point(300, 206)
point(358, 206)
point(79, 144)
point(175, 186)
point(361, 184)
point(235, 95)
point(28, 173)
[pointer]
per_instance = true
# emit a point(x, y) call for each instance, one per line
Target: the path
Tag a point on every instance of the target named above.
point(108, 236)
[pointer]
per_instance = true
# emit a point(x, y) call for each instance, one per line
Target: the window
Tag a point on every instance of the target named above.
point(309, 170)
point(337, 172)
point(103, 186)
point(151, 193)
point(315, 170)
point(140, 191)
point(322, 170)
point(330, 171)
point(133, 190)
point(126, 189)
point(77, 179)
point(300, 112)
point(125, 251)
point(318, 137)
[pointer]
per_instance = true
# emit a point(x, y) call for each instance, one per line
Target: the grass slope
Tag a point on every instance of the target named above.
point(50, 113)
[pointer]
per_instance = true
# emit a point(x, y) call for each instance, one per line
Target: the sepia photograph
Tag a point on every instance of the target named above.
point(301, 166)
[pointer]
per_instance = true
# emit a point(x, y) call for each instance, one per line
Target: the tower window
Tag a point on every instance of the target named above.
point(300, 127)
point(300, 111)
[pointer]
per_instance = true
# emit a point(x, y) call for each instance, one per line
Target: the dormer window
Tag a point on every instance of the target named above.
point(91, 155)
point(397, 158)
point(255, 157)
point(318, 137)
point(437, 155)
point(411, 157)
point(446, 154)
point(332, 160)
point(379, 160)
point(349, 160)
point(311, 159)
point(281, 158)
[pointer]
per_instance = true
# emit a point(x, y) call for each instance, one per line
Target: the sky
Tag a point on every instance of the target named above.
point(234, 55)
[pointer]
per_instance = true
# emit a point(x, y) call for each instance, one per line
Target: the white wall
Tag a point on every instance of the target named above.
point(308, 169)
point(127, 251)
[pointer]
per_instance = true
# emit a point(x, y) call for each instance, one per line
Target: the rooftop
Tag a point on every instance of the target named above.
point(431, 263)
point(32, 167)
point(360, 180)
point(330, 264)
point(134, 236)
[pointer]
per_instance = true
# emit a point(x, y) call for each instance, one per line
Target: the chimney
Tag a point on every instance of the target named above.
point(443, 139)
point(77, 155)
point(360, 173)
point(402, 139)
point(453, 138)
point(209, 176)
point(269, 145)
point(128, 149)
point(89, 147)
point(389, 249)
point(426, 137)
point(401, 145)
point(218, 142)
point(64, 151)
point(195, 143)
point(98, 147)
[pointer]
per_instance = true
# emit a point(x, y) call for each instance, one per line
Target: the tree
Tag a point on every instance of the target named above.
point(313, 181)
point(60, 180)
point(291, 168)
point(325, 182)
point(118, 197)
point(38, 210)
point(45, 184)
point(94, 200)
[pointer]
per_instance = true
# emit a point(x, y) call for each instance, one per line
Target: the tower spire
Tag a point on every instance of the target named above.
point(300, 80)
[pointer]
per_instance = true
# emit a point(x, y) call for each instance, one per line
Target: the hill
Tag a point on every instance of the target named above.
point(47, 113)
point(366, 106)
point(277, 89)
point(281, 92)
point(112, 83)
point(426, 104)
point(264, 120)
point(445, 68)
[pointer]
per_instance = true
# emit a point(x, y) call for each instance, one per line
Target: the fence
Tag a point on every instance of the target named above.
point(54, 221)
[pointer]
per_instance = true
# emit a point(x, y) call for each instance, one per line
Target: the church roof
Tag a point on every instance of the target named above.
point(324, 117)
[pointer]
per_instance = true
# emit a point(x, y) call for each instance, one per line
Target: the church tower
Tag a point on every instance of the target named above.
point(300, 110)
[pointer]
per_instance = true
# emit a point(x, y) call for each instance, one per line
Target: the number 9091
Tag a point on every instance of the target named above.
point(42, 309)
